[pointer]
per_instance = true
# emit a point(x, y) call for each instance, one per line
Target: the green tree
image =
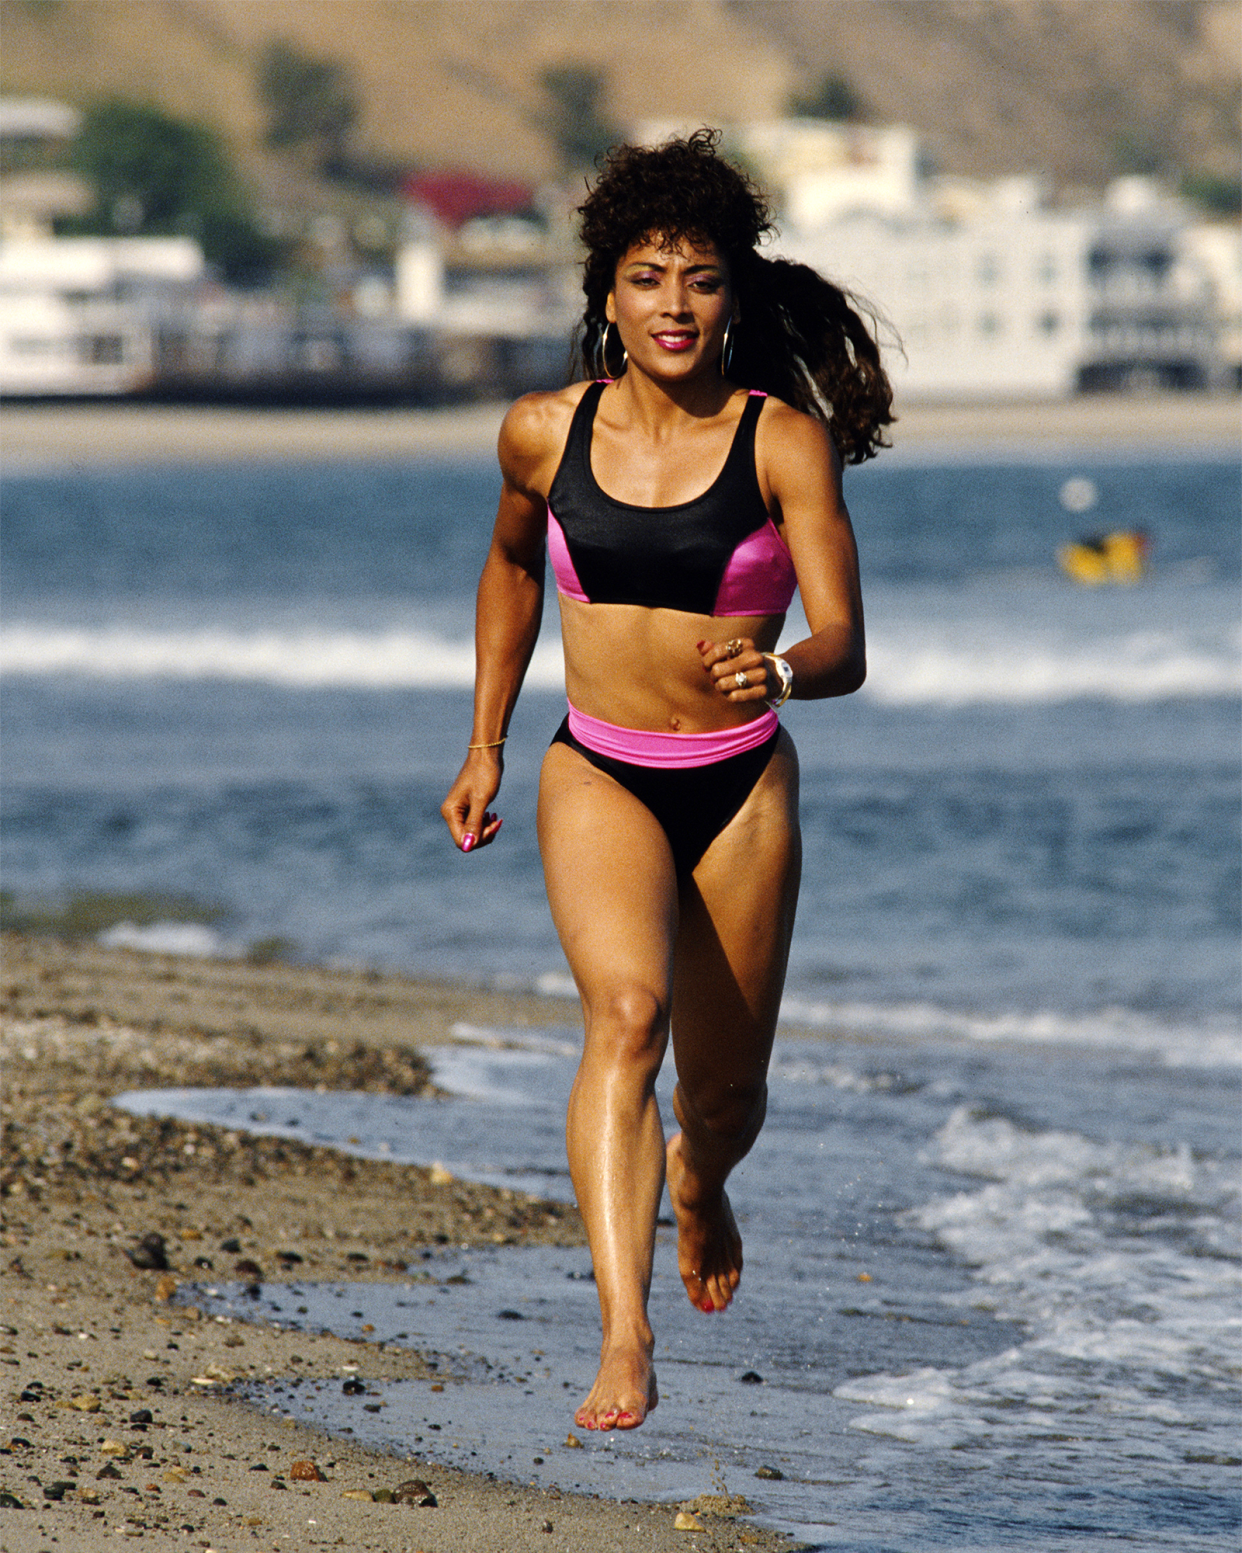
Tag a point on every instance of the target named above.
point(574, 116)
point(833, 98)
point(158, 176)
point(1217, 196)
point(309, 102)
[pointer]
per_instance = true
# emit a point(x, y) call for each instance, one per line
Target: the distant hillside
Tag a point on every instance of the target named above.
point(1080, 89)
point(1077, 88)
point(439, 83)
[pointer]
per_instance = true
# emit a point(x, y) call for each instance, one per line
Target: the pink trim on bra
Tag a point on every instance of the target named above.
point(759, 579)
point(640, 747)
point(563, 568)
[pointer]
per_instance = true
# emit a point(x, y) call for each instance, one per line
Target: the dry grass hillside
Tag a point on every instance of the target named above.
point(1074, 87)
point(440, 82)
point(1081, 89)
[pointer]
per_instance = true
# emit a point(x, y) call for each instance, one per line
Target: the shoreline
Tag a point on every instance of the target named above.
point(119, 1394)
point(41, 436)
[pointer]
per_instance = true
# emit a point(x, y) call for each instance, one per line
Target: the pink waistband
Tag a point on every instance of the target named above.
point(642, 748)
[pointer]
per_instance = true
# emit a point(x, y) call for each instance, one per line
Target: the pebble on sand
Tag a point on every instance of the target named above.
point(414, 1491)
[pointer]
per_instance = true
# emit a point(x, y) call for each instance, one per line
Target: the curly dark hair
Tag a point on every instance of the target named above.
point(800, 337)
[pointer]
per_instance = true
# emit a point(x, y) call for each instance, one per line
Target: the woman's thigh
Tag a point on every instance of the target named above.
point(737, 917)
point(611, 886)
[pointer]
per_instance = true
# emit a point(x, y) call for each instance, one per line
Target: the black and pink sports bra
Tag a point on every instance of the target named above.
point(719, 554)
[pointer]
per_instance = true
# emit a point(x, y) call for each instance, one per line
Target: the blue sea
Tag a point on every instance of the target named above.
point(1007, 1088)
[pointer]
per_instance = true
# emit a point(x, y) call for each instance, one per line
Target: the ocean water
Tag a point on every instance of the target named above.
point(1017, 941)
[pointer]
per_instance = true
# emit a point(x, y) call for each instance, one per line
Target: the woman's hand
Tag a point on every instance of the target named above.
point(465, 809)
point(739, 671)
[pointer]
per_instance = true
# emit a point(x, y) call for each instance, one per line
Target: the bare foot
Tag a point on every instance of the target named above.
point(709, 1248)
point(624, 1391)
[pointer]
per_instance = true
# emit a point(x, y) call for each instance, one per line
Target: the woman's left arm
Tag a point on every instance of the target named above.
point(803, 473)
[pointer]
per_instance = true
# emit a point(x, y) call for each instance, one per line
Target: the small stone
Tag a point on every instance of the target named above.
point(116, 1448)
point(510, 1315)
point(108, 1470)
point(687, 1521)
point(572, 1442)
point(306, 1472)
point(414, 1491)
point(383, 1496)
point(175, 1475)
point(864, 1278)
point(250, 1269)
point(279, 1483)
point(233, 1247)
point(440, 1176)
point(353, 1388)
point(358, 1493)
point(770, 1474)
point(438, 1386)
point(191, 1234)
point(289, 1258)
point(751, 1378)
point(142, 1415)
point(87, 1494)
point(10, 1502)
point(547, 1526)
point(151, 1253)
point(87, 1403)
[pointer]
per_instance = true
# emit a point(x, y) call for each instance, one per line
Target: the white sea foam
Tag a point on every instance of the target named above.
point(1209, 1043)
point(922, 664)
point(300, 659)
point(1135, 667)
point(195, 939)
point(1118, 1258)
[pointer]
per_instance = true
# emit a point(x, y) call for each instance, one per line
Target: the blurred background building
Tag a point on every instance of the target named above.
point(340, 201)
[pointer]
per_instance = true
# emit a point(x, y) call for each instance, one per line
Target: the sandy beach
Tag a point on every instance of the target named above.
point(119, 1418)
point(66, 434)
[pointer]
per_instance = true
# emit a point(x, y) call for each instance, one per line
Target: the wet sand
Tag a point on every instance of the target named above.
point(90, 1341)
point(42, 435)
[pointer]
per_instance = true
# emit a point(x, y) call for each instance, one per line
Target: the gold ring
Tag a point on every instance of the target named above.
point(740, 680)
point(732, 648)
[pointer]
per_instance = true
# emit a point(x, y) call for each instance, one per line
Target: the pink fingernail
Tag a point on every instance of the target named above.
point(467, 843)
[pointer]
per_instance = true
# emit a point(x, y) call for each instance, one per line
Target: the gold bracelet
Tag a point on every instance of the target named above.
point(494, 745)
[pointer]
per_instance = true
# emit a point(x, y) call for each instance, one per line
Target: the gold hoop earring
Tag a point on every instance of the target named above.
point(726, 350)
point(603, 353)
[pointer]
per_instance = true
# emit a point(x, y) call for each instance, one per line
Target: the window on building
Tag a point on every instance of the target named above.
point(105, 350)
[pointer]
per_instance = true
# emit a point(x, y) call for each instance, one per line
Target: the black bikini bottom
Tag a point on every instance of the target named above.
point(692, 804)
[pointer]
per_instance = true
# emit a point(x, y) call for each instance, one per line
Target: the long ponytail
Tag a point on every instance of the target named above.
point(805, 340)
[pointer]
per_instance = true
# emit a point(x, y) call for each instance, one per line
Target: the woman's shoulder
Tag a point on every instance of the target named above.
point(537, 424)
point(787, 432)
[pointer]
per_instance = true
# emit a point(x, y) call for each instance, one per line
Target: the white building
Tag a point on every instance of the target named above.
point(1214, 249)
point(77, 315)
point(994, 295)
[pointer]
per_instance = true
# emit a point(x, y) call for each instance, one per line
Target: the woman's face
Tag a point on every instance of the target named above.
point(672, 304)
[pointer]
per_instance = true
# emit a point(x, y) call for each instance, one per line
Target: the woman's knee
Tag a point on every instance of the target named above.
point(627, 1025)
point(723, 1110)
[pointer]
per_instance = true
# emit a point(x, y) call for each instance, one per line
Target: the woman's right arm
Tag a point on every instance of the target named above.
point(507, 615)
